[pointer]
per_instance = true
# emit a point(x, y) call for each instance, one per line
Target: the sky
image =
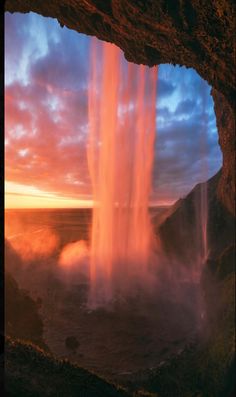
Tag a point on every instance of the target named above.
point(46, 123)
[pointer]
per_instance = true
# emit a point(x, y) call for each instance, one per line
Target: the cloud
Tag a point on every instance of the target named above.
point(50, 152)
point(165, 88)
point(45, 118)
point(46, 106)
point(187, 151)
point(69, 72)
point(186, 106)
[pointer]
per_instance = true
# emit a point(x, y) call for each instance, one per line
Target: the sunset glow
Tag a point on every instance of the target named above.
point(24, 196)
point(46, 120)
point(119, 247)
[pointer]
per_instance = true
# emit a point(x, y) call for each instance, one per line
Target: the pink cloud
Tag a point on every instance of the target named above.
point(54, 141)
point(46, 114)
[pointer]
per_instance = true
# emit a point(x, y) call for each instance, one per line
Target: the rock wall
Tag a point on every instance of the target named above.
point(196, 33)
point(184, 226)
point(225, 119)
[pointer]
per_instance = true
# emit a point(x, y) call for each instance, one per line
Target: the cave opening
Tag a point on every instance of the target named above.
point(54, 117)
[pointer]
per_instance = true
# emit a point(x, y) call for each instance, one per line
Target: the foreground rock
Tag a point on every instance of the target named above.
point(30, 371)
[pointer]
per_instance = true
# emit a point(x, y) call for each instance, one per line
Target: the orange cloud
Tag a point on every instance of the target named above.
point(43, 145)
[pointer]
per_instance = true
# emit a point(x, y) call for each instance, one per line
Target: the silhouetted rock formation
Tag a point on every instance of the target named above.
point(215, 356)
point(180, 233)
point(22, 319)
point(225, 118)
point(197, 34)
point(32, 372)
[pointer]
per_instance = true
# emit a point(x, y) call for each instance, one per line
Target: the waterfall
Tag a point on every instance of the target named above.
point(122, 129)
point(205, 176)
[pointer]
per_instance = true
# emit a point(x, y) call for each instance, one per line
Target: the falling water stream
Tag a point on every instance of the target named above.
point(204, 173)
point(122, 117)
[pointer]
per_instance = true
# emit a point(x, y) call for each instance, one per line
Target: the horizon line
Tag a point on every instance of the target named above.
point(74, 208)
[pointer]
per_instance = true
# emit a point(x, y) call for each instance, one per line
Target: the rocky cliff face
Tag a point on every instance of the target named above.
point(184, 226)
point(225, 118)
point(197, 34)
point(179, 234)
